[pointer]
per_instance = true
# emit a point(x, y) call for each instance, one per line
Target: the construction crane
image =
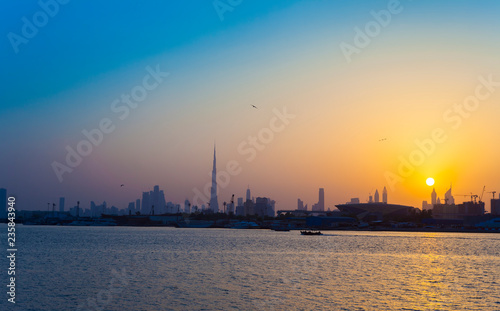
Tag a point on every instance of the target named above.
point(473, 197)
point(481, 198)
point(492, 192)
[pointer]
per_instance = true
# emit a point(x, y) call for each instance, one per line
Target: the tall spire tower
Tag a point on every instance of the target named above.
point(248, 193)
point(214, 204)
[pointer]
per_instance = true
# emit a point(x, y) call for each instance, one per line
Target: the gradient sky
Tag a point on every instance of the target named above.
point(272, 54)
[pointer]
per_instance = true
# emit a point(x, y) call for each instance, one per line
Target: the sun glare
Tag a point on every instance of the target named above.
point(430, 181)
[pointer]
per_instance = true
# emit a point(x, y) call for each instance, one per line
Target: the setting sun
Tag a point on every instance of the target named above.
point(430, 181)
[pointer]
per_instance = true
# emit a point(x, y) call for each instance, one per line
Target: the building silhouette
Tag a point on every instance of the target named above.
point(248, 197)
point(384, 196)
point(495, 206)
point(321, 201)
point(375, 211)
point(353, 201)
point(264, 207)
point(449, 210)
point(214, 204)
point(61, 204)
point(458, 212)
point(260, 208)
point(377, 197)
point(448, 197)
point(320, 206)
point(240, 208)
point(300, 205)
point(146, 206)
point(248, 208)
point(137, 206)
point(95, 210)
point(155, 195)
point(131, 208)
point(152, 200)
point(230, 208)
point(448, 200)
point(426, 205)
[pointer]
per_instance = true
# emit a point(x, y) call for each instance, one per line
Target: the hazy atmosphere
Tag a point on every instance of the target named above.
point(350, 97)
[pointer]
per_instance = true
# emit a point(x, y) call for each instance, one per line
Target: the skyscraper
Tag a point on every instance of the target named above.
point(384, 196)
point(146, 208)
point(230, 208)
point(495, 206)
point(433, 197)
point(131, 207)
point(162, 204)
point(61, 204)
point(300, 204)
point(248, 194)
point(321, 202)
point(448, 197)
point(155, 197)
point(320, 206)
point(214, 204)
point(260, 207)
point(377, 197)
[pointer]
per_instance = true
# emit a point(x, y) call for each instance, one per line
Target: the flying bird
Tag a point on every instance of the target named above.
point(255, 107)
point(122, 185)
point(382, 139)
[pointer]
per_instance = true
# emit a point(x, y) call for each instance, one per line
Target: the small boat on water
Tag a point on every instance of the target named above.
point(310, 232)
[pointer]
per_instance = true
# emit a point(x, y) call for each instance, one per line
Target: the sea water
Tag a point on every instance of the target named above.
point(138, 268)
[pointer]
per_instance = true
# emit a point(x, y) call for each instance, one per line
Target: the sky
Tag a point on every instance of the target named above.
point(351, 97)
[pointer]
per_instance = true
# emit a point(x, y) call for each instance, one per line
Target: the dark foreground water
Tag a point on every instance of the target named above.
point(126, 268)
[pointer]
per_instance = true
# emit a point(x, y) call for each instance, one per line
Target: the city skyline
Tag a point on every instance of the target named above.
point(156, 196)
point(355, 97)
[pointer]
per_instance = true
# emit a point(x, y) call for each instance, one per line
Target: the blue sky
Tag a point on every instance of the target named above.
point(86, 39)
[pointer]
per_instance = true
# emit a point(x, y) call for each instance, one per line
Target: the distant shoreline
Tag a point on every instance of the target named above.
point(436, 230)
point(416, 230)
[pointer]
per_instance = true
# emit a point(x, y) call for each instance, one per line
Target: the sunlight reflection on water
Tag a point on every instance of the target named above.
point(60, 268)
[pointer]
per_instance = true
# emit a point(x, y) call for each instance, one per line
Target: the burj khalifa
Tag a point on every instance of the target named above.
point(214, 204)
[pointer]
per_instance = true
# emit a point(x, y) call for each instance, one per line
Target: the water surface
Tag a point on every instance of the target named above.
point(131, 268)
